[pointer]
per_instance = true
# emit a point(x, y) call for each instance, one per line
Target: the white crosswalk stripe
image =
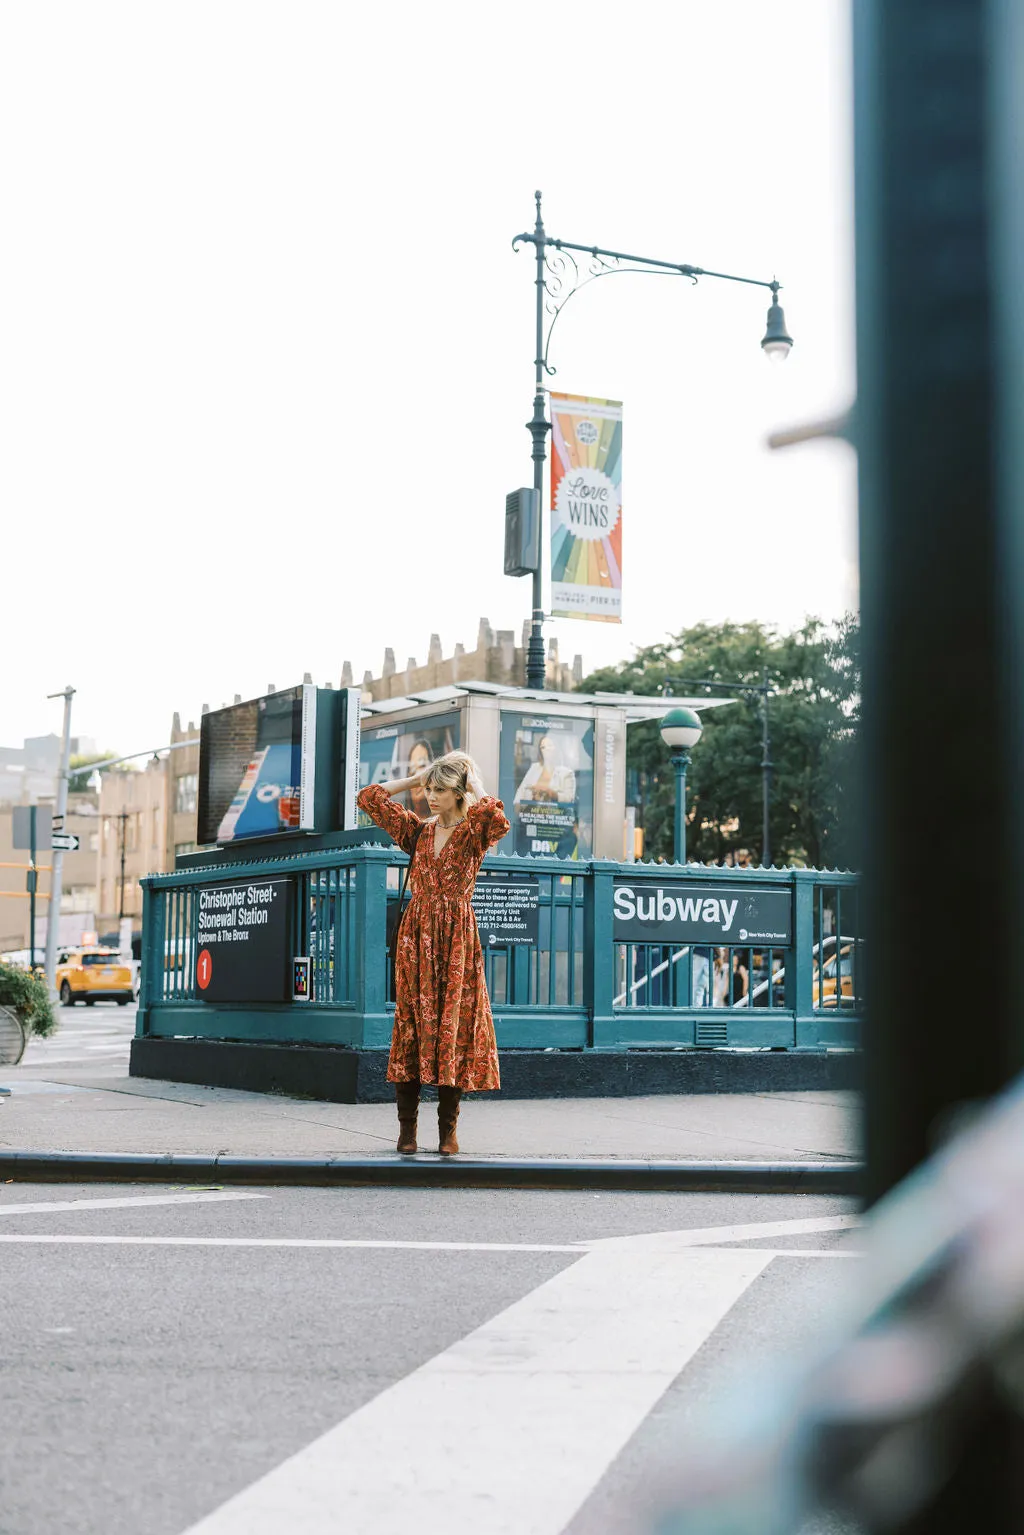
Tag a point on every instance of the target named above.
point(510, 1429)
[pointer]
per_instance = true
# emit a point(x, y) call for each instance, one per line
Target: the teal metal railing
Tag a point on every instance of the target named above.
point(576, 987)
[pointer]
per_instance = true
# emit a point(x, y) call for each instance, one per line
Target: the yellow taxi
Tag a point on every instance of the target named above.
point(94, 975)
point(847, 992)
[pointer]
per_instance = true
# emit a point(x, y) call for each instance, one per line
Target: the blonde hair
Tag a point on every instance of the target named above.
point(452, 771)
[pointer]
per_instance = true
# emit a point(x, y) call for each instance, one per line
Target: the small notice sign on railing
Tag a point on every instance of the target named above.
point(507, 907)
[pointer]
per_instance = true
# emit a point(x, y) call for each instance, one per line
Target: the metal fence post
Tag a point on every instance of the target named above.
point(368, 961)
point(599, 955)
point(151, 988)
point(799, 990)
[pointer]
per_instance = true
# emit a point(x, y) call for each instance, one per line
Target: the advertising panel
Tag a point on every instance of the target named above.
point(686, 911)
point(256, 767)
point(279, 765)
point(546, 775)
point(242, 949)
point(398, 751)
point(586, 508)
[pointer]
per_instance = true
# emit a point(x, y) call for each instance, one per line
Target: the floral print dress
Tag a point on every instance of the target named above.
point(443, 1031)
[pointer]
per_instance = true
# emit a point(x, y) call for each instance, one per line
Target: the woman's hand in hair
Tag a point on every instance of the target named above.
point(473, 783)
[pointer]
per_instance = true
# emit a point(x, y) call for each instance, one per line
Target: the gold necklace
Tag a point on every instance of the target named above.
point(450, 825)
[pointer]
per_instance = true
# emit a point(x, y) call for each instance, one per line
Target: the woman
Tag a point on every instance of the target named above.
point(419, 759)
point(547, 778)
point(443, 1031)
point(720, 979)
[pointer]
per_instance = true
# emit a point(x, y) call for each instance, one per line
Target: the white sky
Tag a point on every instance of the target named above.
point(266, 352)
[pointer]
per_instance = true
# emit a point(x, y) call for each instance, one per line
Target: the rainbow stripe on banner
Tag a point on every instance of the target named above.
point(586, 508)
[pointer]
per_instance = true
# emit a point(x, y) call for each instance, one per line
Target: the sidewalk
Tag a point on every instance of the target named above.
point(109, 1112)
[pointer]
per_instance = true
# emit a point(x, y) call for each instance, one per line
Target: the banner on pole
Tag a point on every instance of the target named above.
point(586, 508)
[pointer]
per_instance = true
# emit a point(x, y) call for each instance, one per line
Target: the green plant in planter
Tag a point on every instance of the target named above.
point(29, 997)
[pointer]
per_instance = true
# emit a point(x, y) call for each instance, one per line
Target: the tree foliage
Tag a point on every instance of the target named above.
point(813, 713)
point(78, 781)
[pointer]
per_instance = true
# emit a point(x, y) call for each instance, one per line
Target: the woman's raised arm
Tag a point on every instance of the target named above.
point(400, 824)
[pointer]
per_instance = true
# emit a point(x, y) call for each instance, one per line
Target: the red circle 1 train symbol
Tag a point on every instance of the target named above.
point(204, 969)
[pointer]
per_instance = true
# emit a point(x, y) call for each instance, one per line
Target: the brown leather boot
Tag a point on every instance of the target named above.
point(448, 1099)
point(408, 1096)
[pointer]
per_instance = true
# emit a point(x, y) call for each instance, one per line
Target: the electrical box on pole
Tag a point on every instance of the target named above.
point(522, 532)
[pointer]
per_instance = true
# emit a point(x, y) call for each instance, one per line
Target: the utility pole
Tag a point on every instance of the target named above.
point(538, 427)
point(555, 287)
point(123, 817)
point(32, 879)
point(766, 775)
point(57, 857)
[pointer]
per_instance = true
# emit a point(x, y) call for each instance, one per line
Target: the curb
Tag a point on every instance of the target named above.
point(434, 1173)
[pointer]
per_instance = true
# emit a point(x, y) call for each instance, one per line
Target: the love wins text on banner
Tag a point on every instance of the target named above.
point(687, 912)
point(586, 508)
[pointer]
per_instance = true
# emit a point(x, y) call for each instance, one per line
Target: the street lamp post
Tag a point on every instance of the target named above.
point(764, 691)
point(681, 729)
point(559, 276)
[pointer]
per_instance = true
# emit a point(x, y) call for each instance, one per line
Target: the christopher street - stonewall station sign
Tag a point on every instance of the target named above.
point(243, 951)
point(681, 911)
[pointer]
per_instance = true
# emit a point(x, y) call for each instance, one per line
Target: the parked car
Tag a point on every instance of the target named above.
point(826, 997)
point(23, 959)
point(94, 975)
point(847, 994)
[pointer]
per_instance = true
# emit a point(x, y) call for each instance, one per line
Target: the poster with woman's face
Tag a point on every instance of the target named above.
point(547, 783)
point(399, 751)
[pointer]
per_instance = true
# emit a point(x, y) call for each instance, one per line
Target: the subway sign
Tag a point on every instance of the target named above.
point(685, 911)
point(243, 948)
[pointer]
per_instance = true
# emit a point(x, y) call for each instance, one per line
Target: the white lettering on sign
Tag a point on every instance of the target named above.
point(658, 906)
point(223, 912)
point(587, 503)
point(610, 737)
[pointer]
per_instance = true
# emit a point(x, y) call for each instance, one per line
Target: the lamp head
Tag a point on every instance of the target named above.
point(777, 340)
point(681, 729)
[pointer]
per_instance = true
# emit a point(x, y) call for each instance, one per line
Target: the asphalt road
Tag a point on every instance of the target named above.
point(179, 1376)
point(97, 1037)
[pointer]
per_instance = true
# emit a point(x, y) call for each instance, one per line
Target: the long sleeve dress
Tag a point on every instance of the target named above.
point(443, 1029)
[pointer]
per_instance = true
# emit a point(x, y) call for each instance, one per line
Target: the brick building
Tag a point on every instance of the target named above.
point(132, 820)
point(497, 658)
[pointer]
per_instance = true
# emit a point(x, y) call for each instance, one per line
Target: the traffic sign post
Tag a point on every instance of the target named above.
point(33, 880)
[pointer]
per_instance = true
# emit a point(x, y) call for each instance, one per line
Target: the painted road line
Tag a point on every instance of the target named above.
point(715, 1236)
point(814, 1252)
point(342, 1243)
point(198, 1197)
point(510, 1430)
point(304, 1242)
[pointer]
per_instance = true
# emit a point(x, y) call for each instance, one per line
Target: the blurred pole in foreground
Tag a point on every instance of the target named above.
point(912, 1422)
point(942, 588)
point(942, 582)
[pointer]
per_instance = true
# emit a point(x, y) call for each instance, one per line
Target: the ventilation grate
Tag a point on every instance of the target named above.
point(716, 1033)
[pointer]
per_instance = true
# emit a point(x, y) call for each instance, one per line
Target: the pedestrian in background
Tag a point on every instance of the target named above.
point(720, 979)
point(443, 1032)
